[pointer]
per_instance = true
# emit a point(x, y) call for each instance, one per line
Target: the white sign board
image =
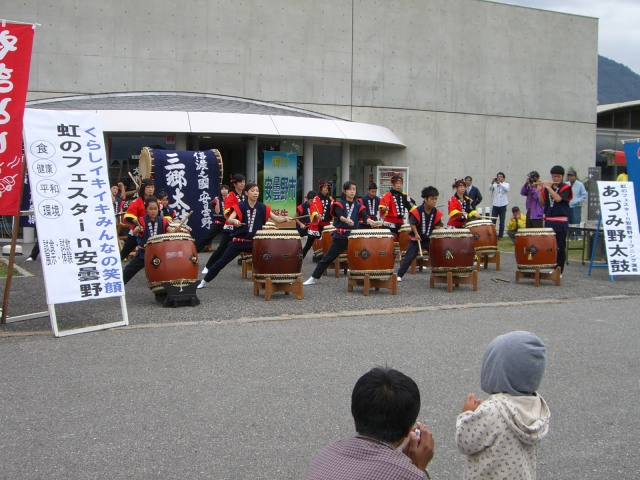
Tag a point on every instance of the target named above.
point(74, 214)
point(620, 226)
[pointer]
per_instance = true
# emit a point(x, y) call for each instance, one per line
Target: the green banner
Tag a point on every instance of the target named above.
point(280, 182)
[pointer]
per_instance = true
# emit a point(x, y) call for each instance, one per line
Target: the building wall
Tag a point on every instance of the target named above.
point(470, 86)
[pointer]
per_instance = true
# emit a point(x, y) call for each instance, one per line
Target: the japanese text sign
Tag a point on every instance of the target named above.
point(620, 226)
point(280, 182)
point(15, 59)
point(192, 180)
point(72, 204)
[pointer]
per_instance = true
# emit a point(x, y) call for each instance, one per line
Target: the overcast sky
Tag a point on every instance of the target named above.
point(619, 25)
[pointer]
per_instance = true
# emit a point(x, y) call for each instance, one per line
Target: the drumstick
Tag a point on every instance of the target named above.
point(134, 180)
point(440, 206)
point(184, 220)
point(301, 216)
point(419, 246)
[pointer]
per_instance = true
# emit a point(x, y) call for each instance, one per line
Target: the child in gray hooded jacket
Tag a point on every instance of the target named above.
point(500, 436)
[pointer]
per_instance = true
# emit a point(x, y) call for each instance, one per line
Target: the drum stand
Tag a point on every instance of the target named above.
point(338, 264)
point(487, 258)
point(450, 280)
point(247, 264)
point(179, 295)
point(269, 287)
point(537, 276)
point(420, 263)
point(368, 283)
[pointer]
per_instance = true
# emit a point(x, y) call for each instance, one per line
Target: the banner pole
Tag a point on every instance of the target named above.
point(12, 255)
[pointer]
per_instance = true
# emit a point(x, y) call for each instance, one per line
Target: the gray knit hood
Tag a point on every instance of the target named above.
point(513, 363)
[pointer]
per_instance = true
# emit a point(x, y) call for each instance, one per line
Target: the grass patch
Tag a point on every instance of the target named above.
point(4, 269)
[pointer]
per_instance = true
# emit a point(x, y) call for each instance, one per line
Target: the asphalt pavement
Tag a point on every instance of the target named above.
point(242, 388)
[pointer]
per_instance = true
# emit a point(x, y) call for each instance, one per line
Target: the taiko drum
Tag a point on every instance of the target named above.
point(483, 233)
point(403, 238)
point(277, 254)
point(327, 238)
point(535, 248)
point(451, 250)
point(170, 257)
point(370, 251)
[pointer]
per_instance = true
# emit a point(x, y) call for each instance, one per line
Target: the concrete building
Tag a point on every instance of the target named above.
point(445, 87)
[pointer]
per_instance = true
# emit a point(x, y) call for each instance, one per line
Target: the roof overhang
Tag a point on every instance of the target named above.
point(163, 112)
point(143, 121)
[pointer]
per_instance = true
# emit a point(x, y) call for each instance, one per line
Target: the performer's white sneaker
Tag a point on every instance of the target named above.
point(311, 281)
point(205, 270)
point(201, 285)
point(399, 279)
point(29, 259)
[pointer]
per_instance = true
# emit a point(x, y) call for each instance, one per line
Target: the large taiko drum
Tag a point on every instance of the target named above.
point(485, 240)
point(370, 251)
point(327, 238)
point(535, 248)
point(403, 238)
point(451, 250)
point(317, 247)
point(277, 254)
point(170, 257)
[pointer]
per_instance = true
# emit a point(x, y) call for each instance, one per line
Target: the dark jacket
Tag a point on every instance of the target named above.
point(475, 196)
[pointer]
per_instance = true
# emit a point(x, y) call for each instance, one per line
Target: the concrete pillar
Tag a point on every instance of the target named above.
point(346, 157)
point(252, 159)
point(181, 141)
point(307, 170)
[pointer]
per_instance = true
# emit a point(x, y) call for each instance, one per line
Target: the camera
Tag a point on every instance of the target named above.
point(532, 179)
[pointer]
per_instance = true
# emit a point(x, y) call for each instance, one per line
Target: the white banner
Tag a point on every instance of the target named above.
point(620, 226)
point(75, 220)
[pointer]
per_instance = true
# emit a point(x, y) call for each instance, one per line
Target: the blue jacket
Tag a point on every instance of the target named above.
point(579, 194)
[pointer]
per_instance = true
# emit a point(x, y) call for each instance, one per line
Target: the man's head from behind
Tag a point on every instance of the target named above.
point(385, 404)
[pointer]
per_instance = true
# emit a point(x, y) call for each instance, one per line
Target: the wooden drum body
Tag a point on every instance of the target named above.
point(370, 252)
point(535, 248)
point(277, 254)
point(170, 257)
point(327, 238)
point(403, 238)
point(485, 240)
point(451, 250)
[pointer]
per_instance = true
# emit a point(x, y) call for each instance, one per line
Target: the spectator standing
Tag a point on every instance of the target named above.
point(499, 188)
point(473, 192)
point(579, 196)
point(531, 189)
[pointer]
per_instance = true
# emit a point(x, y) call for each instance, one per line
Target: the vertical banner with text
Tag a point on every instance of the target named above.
point(16, 41)
point(74, 214)
point(280, 182)
point(620, 227)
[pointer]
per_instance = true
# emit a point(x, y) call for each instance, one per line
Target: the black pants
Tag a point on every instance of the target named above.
point(225, 239)
point(129, 246)
point(561, 241)
point(410, 255)
point(501, 212)
point(533, 222)
point(134, 266)
point(308, 245)
point(215, 229)
point(232, 251)
point(338, 246)
point(35, 251)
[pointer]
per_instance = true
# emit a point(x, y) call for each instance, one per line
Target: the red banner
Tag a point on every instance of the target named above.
point(16, 42)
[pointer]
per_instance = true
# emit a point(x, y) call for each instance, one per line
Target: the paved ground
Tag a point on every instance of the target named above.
point(239, 387)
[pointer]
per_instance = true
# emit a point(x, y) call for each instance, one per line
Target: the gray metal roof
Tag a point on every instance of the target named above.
point(160, 101)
